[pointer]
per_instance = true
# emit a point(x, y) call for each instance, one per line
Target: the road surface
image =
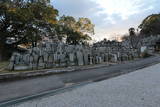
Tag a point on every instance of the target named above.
point(136, 89)
point(33, 86)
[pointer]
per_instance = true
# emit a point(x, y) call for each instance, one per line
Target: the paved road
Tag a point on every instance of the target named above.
point(136, 89)
point(27, 87)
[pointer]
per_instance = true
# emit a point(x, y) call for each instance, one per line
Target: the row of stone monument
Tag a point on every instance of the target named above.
point(50, 55)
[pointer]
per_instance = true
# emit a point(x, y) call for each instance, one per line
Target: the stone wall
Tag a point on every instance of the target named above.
point(50, 55)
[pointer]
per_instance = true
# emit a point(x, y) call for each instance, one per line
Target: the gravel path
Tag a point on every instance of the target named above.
point(137, 89)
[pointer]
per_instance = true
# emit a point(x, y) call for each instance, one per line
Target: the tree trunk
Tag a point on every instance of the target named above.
point(0, 57)
point(5, 52)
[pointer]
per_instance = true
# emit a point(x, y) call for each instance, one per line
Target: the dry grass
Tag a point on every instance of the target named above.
point(3, 66)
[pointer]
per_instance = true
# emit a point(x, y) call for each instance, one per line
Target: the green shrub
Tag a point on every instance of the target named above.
point(145, 55)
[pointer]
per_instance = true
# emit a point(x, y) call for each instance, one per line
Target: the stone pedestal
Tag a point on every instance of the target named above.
point(100, 60)
point(86, 62)
point(80, 58)
point(41, 63)
point(91, 60)
point(71, 59)
point(115, 58)
point(50, 61)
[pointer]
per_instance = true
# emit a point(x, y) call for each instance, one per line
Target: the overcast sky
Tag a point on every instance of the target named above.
point(111, 17)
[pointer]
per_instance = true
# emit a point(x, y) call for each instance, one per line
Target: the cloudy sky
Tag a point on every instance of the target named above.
point(111, 17)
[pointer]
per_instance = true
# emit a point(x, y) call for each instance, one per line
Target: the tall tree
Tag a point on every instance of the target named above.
point(85, 26)
point(24, 24)
point(76, 31)
point(134, 38)
point(151, 25)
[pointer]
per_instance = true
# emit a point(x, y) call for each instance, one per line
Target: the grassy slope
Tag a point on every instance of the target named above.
point(3, 65)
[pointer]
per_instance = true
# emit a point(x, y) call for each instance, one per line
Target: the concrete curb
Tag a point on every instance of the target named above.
point(29, 74)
